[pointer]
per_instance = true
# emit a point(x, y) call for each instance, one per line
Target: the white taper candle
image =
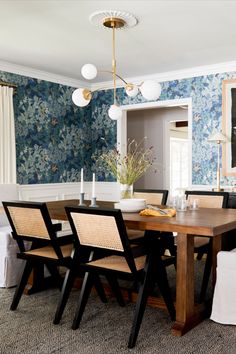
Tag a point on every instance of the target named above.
point(93, 186)
point(82, 181)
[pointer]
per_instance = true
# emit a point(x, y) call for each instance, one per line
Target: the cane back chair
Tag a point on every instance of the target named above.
point(103, 230)
point(30, 221)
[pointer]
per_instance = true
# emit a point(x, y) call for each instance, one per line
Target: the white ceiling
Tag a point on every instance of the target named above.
point(57, 37)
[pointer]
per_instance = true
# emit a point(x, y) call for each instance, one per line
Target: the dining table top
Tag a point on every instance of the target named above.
point(204, 221)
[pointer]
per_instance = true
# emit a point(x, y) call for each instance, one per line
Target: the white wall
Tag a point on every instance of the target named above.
point(152, 124)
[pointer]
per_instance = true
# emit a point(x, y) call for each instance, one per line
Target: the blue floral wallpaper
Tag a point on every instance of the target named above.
point(206, 94)
point(54, 138)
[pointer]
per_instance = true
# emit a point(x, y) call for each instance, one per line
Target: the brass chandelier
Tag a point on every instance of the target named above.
point(149, 89)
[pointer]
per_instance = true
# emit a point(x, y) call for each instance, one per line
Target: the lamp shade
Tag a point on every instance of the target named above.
point(217, 137)
point(150, 90)
point(78, 97)
point(131, 90)
point(89, 71)
point(115, 112)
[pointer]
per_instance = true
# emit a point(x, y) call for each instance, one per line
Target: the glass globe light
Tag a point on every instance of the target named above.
point(150, 90)
point(115, 112)
point(89, 71)
point(78, 97)
point(131, 90)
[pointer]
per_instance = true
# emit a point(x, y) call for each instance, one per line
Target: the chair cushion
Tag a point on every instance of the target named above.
point(223, 308)
point(3, 220)
point(201, 241)
point(227, 259)
point(135, 234)
point(6, 240)
point(10, 266)
point(7, 192)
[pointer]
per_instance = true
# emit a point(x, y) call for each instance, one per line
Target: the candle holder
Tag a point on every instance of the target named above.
point(93, 202)
point(81, 201)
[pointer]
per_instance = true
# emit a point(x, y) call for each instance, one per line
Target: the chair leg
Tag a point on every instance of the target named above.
point(113, 282)
point(83, 299)
point(20, 288)
point(163, 284)
point(65, 293)
point(206, 275)
point(144, 290)
point(200, 255)
point(169, 242)
point(99, 288)
point(56, 278)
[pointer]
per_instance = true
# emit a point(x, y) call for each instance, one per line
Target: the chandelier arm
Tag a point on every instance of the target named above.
point(121, 78)
point(111, 72)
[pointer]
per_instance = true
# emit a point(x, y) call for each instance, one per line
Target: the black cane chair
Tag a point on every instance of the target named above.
point(152, 196)
point(30, 221)
point(103, 232)
point(137, 237)
point(203, 245)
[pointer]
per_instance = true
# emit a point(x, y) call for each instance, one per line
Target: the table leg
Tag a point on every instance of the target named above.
point(184, 285)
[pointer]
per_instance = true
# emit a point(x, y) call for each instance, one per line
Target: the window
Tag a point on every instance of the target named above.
point(178, 165)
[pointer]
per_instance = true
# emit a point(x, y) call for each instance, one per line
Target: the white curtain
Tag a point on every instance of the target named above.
point(7, 136)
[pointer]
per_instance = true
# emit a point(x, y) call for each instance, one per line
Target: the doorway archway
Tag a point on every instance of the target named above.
point(122, 132)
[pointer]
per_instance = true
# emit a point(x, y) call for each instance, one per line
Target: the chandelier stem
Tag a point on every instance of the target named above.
point(114, 62)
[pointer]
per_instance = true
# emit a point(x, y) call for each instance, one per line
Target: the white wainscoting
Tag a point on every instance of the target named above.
point(57, 191)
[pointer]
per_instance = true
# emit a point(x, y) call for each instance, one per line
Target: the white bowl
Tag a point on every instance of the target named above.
point(132, 205)
point(133, 201)
point(128, 208)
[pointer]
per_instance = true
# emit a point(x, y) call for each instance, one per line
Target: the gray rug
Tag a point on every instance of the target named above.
point(104, 329)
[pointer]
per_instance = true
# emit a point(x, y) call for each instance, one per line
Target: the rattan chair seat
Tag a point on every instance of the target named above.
point(118, 263)
point(48, 252)
point(200, 241)
point(134, 234)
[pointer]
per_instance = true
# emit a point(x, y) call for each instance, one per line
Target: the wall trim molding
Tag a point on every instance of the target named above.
point(172, 75)
point(106, 85)
point(162, 77)
point(41, 75)
point(109, 191)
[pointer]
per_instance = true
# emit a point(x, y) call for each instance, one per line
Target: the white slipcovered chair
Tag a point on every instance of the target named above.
point(224, 299)
point(10, 266)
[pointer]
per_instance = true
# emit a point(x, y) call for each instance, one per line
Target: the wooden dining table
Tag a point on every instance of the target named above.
point(206, 222)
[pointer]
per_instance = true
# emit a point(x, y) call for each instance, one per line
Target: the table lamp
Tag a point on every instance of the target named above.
point(218, 138)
